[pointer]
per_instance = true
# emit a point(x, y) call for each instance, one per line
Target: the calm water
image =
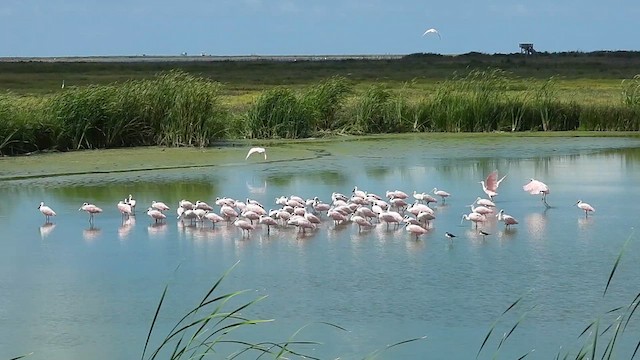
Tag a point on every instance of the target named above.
point(71, 291)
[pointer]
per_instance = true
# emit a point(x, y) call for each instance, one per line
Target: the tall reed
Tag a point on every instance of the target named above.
point(279, 113)
point(173, 109)
point(324, 102)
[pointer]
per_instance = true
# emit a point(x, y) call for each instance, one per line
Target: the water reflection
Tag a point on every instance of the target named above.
point(91, 234)
point(46, 229)
point(381, 266)
point(125, 229)
point(156, 230)
point(536, 224)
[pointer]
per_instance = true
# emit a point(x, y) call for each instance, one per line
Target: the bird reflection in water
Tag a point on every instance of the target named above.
point(156, 229)
point(257, 189)
point(46, 229)
point(125, 228)
point(91, 233)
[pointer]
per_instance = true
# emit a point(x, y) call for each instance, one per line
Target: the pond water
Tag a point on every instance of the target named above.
point(75, 291)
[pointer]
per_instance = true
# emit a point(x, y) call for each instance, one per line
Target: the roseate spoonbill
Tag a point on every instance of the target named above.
point(417, 208)
point(359, 193)
point(432, 31)
point(491, 183)
point(228, 212)
point(91, 210)
point(485, 202)
point(508, 220)
point(535, 187)
point(257, 150)
point(424, 198)
point(251, 215)
point(156, 214)
point(46, 211)
point(200, 213)
point(390, 217)
point(585, 207)
point(398, 194)
point(186, 204)
point(125, 209)
point(417, 230)
point(425, 217)
point(159, 205)
point(213, 217)
point(409, 220)
point(269, 221)
point(203, 205)
point(474, 217)
point(443, 194)
point(365, 212)
point(244, 225)
point(309, 216)
point(481, 209)
point(361, 222)
point(132, 202)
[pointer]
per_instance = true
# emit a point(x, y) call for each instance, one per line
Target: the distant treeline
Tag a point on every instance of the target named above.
point(179, 109)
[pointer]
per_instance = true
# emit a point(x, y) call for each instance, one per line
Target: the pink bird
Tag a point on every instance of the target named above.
point(125, 209)
point(390, 217)
point(269, 221)
point(508, 220)
point(443, 194)
point(213, 217)
point(361, 222)
point(474, 217)
point(91, 210)
point(131, 202)
point(243, 225)
point(156, 214)
point(490, 185)
point(159, 205)
point(46, 211)
point(585, 207)
point(228, 212)
point(535, 187)
point(417, 230)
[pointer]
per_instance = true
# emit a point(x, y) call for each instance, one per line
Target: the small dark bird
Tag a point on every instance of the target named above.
point(483, 233)
point(449, 235)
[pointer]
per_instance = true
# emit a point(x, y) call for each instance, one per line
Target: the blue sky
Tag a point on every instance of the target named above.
point(284, 27)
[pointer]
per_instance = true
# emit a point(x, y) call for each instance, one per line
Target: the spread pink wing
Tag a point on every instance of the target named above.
point(536, 187)
point(492, 181)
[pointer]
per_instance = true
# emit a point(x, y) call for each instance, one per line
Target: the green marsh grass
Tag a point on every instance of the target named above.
point(208, 326)
point(176, 108)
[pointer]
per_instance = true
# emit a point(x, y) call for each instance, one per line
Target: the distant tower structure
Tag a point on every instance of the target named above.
point(527, 49)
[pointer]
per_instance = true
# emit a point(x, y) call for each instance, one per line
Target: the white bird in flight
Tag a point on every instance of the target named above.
point(432, 31)
point(257, 150)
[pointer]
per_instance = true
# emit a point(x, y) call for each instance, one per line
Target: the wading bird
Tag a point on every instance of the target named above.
point(585, 207)
point(156, 214)
point(46, 211)
point(443, 194)
point(491, 183)
point(417, 230)
point(506, 219)
point(535, 187)
point(257, 150)
point(91, 210)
